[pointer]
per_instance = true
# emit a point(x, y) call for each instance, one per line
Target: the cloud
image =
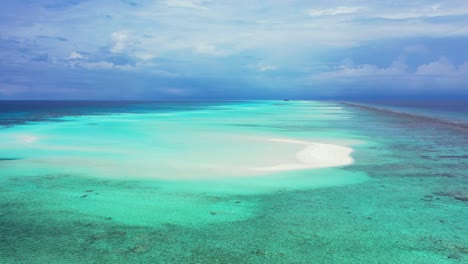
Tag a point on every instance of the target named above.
point(122, 59)
point(103, 65)
point(456, 8)
point(463, 69)
point(114, 61)
point(52, 38)
point(130, 3)
point(340, 10)
point(263, 43)
point(41, 58)
point(12, 89)
point(398, 67)
point(119, 42)
point(442, 67)
point(209, 49)
point(417, 49)
point(398, 70)
point(263, 67)
point(144, 56)
point(63, 4)
point(186, 4)
point(75, 56)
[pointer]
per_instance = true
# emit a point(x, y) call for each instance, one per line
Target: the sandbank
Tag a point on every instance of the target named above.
point(313, 155)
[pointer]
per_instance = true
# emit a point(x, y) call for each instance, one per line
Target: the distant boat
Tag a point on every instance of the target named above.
point(286, 100)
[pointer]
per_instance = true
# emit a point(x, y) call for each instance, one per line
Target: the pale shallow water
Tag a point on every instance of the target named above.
point(159, 182)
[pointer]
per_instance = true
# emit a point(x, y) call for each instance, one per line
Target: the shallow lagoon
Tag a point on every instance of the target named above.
point(142, 186)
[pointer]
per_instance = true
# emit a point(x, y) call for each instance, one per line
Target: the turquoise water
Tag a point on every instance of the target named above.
point(172, 183)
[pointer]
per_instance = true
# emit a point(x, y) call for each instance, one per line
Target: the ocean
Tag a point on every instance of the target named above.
point(451, 111)
point(223, 182)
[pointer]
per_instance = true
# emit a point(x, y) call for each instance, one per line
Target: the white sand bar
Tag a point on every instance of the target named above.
point(313, 155)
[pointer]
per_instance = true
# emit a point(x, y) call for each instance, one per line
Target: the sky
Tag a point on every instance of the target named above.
point(243, 49)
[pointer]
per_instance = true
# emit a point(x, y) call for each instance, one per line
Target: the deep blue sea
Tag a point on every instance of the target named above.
point(14, 112)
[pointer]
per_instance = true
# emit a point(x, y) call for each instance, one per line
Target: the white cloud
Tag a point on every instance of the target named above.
point(164, 73)
point(186, 4)
point(340, 10)
point(164, 28)
point(434, 10)
point(144, 56)
point(398, 67)
point(119, 42)
point(104, 65)
point(270, 30)
point(263, 67)
point(443, 67)
point(439, 68)
point(463, 69)
point(210, 49)
point(75, 56)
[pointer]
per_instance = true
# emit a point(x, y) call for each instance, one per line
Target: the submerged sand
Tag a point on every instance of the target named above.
point(199, 157)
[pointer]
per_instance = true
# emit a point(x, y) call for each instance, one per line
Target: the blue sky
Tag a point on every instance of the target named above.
point(197, 49)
